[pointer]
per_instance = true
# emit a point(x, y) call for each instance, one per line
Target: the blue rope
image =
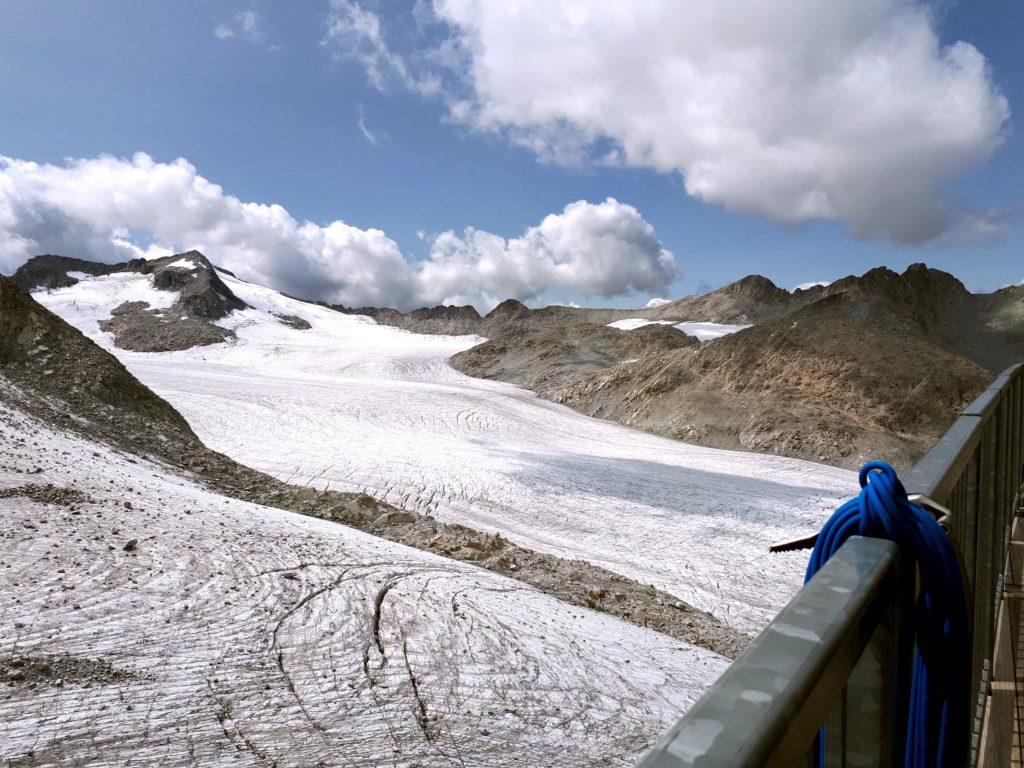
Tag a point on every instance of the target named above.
point(937, 724)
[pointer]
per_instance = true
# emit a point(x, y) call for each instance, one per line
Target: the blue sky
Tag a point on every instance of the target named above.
point(273, 117)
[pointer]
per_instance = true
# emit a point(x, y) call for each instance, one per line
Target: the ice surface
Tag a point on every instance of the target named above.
point(92, 298)
point(359, 407)
point(703, 331)
point(242, 635)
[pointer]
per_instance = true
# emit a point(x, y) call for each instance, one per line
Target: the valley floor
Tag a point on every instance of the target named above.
point(354, 406)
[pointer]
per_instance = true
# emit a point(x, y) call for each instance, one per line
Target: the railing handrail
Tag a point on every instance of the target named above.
point(766, 708)
point(938, 471)
point(790, 670)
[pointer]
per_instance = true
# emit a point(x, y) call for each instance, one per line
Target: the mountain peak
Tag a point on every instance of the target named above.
point(509, 309)
point(755, 287)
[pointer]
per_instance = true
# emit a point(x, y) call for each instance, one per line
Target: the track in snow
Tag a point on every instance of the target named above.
point(355, 406)
point(241, 635)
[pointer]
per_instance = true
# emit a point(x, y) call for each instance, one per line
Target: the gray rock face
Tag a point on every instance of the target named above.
point(442, 319)
point(203, 294)
point(510, 309)
point(140, 329)
point(61, 372)
point(547, 360)
point(294, 321)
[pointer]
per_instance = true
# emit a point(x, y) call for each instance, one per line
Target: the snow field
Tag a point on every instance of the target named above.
point(358, 407)
point(244, 635)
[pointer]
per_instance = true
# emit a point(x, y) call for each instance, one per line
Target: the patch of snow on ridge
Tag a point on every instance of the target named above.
point(632, 323)
point(93, 298)
point(232, 629)
point(78, 275)
point(708, 331)
point(703, 331)
point(182, 264)
point(360, 407)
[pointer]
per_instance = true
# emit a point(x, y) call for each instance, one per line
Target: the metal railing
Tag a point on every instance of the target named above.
point(827, 659)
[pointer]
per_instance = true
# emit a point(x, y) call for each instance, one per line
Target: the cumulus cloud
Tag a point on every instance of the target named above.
point(106, 207)
point(794, 110)
point(607, 249)
point(247, 25)
point(656, 302)
point(809, 285)
point(113, 209)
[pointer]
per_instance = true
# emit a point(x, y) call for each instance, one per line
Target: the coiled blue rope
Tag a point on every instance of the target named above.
point(937, 703)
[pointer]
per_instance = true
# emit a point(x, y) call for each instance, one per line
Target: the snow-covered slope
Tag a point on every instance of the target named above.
point(703, 331)
point(146, 621)
point(355, 406)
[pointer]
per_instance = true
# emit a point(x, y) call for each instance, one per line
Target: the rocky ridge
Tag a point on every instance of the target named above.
point(875, 366)
point(190, 321)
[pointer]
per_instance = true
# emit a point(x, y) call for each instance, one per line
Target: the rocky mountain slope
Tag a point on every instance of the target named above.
point(869, 366)
point(188, 298)
point(458, 321)
point(750, 300)
point(550, 359)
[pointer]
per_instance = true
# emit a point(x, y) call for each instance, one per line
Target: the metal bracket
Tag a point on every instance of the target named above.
point(806, 542)
point(941, 513)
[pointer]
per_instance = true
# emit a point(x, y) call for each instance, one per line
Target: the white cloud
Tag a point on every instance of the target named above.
point(369, 135)
point(607, 249)
point(813, 284)
point(247, 25)
point(356, 33)
point(794, 110)
point(656, 302)
point(113, 209)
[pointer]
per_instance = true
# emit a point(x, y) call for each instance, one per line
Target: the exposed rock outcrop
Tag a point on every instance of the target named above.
point(869, 366)
point(202, 299)
point(65, 378)
point(202, 293)
point(442, 320)
point(549, 360)
point(752, 299)
point(140, 329)
point(510, 309)
point(189, 322)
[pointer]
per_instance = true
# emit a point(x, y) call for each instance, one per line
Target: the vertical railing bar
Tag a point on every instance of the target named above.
point(983, 579)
